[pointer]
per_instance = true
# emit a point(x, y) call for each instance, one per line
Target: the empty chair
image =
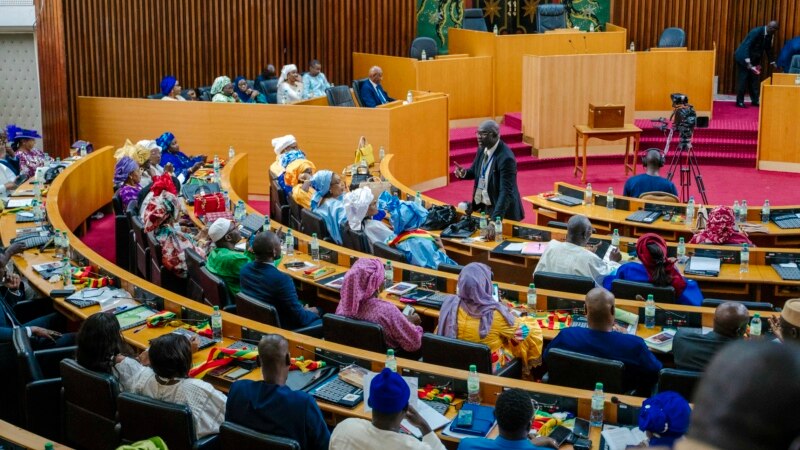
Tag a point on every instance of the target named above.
point(237, 437)
point(473, 20)
point(270, 89)
point(121, 234)
point(277, 200)
point(294, 213)
point(794, 66)
point(357, 90)
point(142, 249)
point(630, 289)
point(659, 196)
point(672, 37)
point(159, 274)
point(752, 306)
point(89, 407)
point(354, 240)
point(339, 96)
point(450, 268)
point(384, 251)
point(174, 423)
point(204, 93)
point(460, 354)
point(571, 369)
point(193, 264)
point(423, 43)
point(563, 282)
point(557, 224)
point(254, 309)
point(158, 96)
point(550, 17)
point(214, 291)
point(311, 223)
point(353, 332)
point(683, 382)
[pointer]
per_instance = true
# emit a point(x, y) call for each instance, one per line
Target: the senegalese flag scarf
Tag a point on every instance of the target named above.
point(219, 357)
point(411, 234)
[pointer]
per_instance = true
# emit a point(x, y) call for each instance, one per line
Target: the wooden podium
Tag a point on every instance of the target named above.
point(778, 133)
point(557, 90)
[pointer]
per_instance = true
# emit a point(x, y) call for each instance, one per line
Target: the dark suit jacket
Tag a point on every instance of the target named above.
point(502, 187)
point(753, 46)
point(7, 305)
point(369, 96)
point(693, 350)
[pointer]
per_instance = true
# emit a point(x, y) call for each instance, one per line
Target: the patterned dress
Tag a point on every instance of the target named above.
point(29, 161)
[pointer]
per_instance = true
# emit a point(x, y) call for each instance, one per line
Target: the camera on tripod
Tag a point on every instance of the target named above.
point(684, 117)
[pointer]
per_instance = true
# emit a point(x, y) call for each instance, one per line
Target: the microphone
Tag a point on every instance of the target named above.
point(245, 340)
point(615, 400)
point(585, 45)
point(573, 46)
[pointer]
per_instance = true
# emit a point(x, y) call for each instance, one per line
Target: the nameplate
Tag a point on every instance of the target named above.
point(725, 256)
point(781, 258)
point(571, 192)
point(675, 319)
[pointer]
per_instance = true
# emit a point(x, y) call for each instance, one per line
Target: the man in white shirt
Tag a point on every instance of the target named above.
point(572, 257)
point(388, 399)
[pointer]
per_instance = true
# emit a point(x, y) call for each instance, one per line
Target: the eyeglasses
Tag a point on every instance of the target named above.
point(91, 292)
point(483, 133)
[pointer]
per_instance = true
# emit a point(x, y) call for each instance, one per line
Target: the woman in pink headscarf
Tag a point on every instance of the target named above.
point(359, 300)
point(721, 229)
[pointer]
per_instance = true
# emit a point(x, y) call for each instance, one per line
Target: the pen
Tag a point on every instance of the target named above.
point(140, 328)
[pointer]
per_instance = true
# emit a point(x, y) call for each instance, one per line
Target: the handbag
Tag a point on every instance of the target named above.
point(364, 151)
point(461, 229)
point(439, 217)
point(209, 203)
point(376, 185)
point(190, 191)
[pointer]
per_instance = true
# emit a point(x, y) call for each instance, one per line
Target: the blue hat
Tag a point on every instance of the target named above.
point(666, 415)
point(167, 84)
point(388, 392)
point(14, 132)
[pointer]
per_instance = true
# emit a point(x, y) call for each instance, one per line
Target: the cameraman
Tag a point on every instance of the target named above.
point(748, 58)
point(651, 180)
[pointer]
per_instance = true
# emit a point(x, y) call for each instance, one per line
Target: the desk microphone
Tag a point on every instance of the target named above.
point(585, 45)
point(672, 313)
point(615, 400)
point(248, 341)
point(572, 45)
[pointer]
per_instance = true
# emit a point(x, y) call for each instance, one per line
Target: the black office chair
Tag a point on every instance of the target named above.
point(193, 264)
point(174, 424)
point(278, 202)
point(557, 224)
point(263, 312)
point(89, 405)
point(562, 282)
point(142, 248)
point(159, 274)
point(794, 65)
point(204, 93)
point(450, 268)
point(384, 251)
point(214, 290)
point(39, 384)
point(130, 240)
point(630, 289)
point(354, 240)
point(683, 382)
point(752, 306)
point(339, 96)
point(460, 354)
point(354, 333)
point(270, 90)
point(236, 437)
point(566, 368)
point(423, 43)
point(122, 232)
point(158, 96)
point(311, 223)
point(672, 37)
point(294, 213)
point(473, 20)
point(550, 17)
point(357, 90)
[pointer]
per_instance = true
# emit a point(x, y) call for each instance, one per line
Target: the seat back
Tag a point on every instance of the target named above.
point(357, 90)
point(90, 407)
point(122, 232)
point(339, 96)
point(354, 240)
point(237, 437)
point(550, 17)
point(311, 223)
point(277, 200)
point(158, 96)
point(214, 290)
point(659, 196)
point(557, 224)
point(450, 268)
point(253, 309)
point(794, 66)
point(752, 306)
point(672, 37)
point(270, 90)
point(683, 382)
point(28, 367)
point(630, 289)
point(566, 368)
point(456, 353)
point(142, 249)
point(193, 264)
point(294, 212)
point(473, 20)
point(354, 332)
point(423, 43)
point(204, 93)
point(563, 282)
point(156, 267)
point(174, 424)
point(384, 251)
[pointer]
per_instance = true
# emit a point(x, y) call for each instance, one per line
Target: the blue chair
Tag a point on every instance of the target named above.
point(672, 37)
point(473, 20)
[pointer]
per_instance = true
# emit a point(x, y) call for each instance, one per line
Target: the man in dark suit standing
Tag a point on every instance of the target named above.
point(748, 57)
point(372, 93)
point(495, 173)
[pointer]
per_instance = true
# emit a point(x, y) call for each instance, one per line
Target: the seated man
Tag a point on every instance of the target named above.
point(261, 280)
point(572, 257)
point(388, 399)
point(650, 181)
point(601, 340)
point(371, 91)
point(787, 326)
point(693, 350)
point(224, 260)
point(269, 406)
point(514, 414)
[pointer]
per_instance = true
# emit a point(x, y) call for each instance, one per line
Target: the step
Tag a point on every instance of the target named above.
point(513, 120)
point(466, 136)
point(518, 148)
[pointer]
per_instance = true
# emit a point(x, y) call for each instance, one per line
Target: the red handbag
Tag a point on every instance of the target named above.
point(209, 203)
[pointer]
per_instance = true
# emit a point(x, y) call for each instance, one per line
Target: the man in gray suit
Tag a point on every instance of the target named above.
point(693, 350)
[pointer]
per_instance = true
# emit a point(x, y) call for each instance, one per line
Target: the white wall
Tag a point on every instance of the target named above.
point(20, 101)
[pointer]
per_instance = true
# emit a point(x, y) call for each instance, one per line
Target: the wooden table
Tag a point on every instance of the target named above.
point(607, 134)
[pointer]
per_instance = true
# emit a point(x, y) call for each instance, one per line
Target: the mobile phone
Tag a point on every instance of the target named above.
point(560, 434)
point(464, 419)
point(235, 374)
point(409, 310)
point(581, 428)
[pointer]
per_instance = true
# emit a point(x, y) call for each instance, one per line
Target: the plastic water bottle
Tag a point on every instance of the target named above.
point(473, 386)
point(755, 325)
point(265, 227)
point(231, 153)
point(690, 211)
point(216, 168)
point(381, 153)
point(588, 196)
point(391, 362)
point(37, 190)
point(483, 224)
point(58, 243)
point(615, 238)
point(239, 211)
point(227, 200)
point(650, 312)
point(48, 446)
point(681, 252)
point(598, 404)
point(409, 97)
point(610, 198)
point(591, 28)
point(418, 199)
point(388, 275)
point(744, 259)
point(38, 214)
point(216, 324)
point(66, 272)
point(314, 247)
point(743, 212)
point(531, 296)
point(632, 47)
point(494, 29)
point(423, 56)
point(765, 212)
point(83, 150)
point(289, 243)
point(65, 242)
point(735, 210)
point(498, 229)
point(797, 80)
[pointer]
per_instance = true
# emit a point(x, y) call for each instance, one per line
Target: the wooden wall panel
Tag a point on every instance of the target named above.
point(52, 78)
point(724, 22)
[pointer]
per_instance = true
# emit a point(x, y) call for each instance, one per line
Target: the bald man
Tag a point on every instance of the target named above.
point(601, 340)
point(371, 91)
point(573, 258)
point(651, 180)
point(747, 56)
point(271, 407)
point(494, 170)
point(694, 350)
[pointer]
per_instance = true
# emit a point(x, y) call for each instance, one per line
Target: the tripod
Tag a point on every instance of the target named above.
point(685, 161)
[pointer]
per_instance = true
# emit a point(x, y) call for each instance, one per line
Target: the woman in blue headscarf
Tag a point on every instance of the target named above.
point(183, 165)
point(171, 89)
point(245, 93)
point(327, 201)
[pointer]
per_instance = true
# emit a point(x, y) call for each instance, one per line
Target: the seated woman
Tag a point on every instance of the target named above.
point(171, 89)
point(245, 93)
point(290, 85)
point(360, 205)
point(102, 348)
point(153, 167)
point(127, 175)
point(136, 152)
point(8, 179)
point(359, 300)
point(474, 315)
point(327, 201)
point(298, 172)
point(222, 91)
point(286, 151)
point(656, 268)
point(23, 146)
point(167, 379)
point(171, 154)
point(721, 229)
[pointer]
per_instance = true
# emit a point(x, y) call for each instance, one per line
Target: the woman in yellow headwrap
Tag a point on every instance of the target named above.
point(297, 181)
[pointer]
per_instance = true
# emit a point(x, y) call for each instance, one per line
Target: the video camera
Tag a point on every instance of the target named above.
point(684, 117)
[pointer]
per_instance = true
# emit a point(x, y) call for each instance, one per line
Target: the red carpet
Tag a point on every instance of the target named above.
point(100, 236)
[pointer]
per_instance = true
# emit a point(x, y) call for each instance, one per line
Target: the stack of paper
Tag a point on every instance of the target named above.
point(534, 248)
point(661, 341)
point(619, 438)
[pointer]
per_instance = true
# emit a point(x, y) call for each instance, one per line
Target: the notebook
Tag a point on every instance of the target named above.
point(700, 265)
point(482, 420)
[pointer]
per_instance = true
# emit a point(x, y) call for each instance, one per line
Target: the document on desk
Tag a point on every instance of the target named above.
point(619, 438)
point(534, 248)
point(515, 247)
point(701, 265)
point(434, 419)
point(19, 202)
